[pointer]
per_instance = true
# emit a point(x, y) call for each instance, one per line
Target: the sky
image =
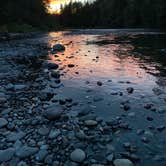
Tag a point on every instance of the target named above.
point(56, 4)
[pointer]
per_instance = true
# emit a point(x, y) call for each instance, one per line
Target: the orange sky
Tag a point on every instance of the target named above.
point(56, 4)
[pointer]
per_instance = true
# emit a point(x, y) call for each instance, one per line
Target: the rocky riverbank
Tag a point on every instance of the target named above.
point(46, 119)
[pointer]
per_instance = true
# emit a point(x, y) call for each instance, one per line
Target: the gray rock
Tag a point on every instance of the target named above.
point(53, 112)
point(157, 91)
point(19, 87)
point(162, 109)
point(14, 136)
point(26, 151)
point(43, 131)
point(54, 134)
point(6, 154)
point(3, 122)
point(90, 123)
point(110, 157)
point(78, 155)
point(123, 162)
point(41, 154)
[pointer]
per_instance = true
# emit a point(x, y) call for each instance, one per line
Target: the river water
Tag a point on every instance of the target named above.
point(105, 64)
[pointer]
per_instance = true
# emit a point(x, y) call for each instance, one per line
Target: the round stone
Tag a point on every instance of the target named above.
point(123, 162)
point(78, 155)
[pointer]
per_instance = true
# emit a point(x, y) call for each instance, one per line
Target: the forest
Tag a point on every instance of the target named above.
point(100, 14)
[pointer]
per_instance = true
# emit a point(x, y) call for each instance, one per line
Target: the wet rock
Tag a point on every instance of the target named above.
point(161, 128)
point(145, 139)
point(71, 65)
point(3, 122)
point(110, 157)
point(58, 47)
point(157, 91)
point(78, 155)
point(6, 154)
point(90, 123)
point(55, 74)
point(62, 102)
point(19, 87)
point(97, 99)
point(126, 107)
point(14, 136)
point(99, 83)
point(80, 134)
point(162, 109)
point(84, 112)
point(54, 134)
point(43, 131)
point(53, 112)
point(149, 118)
point(41, 154)
point(148, 106)
point(123, 162)
point(26, 151)
point(130, 90)
point(48, 159)
point(52, 66)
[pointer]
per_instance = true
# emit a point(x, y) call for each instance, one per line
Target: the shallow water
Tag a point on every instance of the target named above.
point(118, 61)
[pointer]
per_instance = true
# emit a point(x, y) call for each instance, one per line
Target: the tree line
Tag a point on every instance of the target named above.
point(26, 14)
point(99, 14)
point(115, 14)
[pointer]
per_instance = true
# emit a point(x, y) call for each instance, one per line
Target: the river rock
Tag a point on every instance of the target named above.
point(71, 65)
point(3, 122)
point(58, 47)
point(91, 123)
point(19, 87)
point(130, 90)
point(14, 136)
point(26, 151)
point(162, 109)
point(52, 66)
point(53, 112)
point(123, 162)
point(78, 155)
point(54, 133)
point(6, 154)
point(55, 74)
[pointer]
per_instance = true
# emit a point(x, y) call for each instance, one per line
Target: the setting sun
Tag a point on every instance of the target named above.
point(55, 5)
